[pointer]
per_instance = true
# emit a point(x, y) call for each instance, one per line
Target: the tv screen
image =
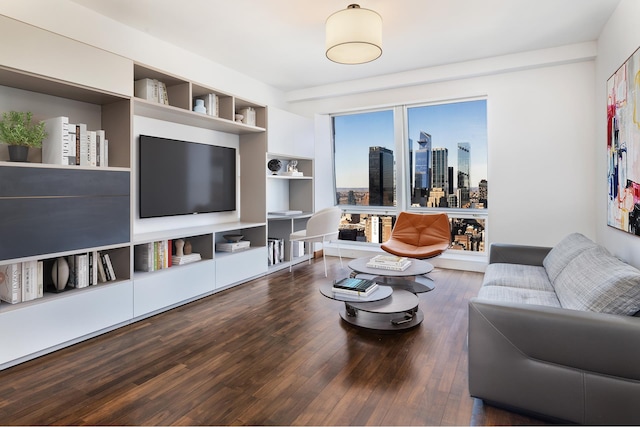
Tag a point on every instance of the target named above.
point(181, 177)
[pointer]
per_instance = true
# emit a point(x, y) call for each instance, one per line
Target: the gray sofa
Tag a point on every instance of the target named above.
point(553, 332)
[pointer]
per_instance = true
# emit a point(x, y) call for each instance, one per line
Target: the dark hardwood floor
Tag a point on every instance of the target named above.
point(273, 351)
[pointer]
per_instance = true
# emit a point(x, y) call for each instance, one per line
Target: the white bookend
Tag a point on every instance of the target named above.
point(93, 148)
point(10, 283)
point(55, 147)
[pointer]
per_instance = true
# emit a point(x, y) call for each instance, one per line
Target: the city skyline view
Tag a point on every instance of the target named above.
point(445, 153)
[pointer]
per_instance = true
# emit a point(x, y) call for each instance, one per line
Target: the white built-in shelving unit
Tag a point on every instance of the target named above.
point(45, 207)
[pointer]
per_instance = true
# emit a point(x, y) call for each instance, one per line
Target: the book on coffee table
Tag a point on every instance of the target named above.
point(389, 262)
point(353, 286)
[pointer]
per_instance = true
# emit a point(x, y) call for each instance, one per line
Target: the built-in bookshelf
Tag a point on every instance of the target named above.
point(80, 212)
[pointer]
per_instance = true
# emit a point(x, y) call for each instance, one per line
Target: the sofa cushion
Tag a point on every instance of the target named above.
point(519, 295)
point(597, 281)
point(562, 253)
point(517, 276)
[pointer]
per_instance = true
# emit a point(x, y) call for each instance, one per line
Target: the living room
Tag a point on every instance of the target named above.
point(546, 116)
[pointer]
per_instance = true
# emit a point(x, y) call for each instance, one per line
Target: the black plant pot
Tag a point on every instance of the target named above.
point(18, 153)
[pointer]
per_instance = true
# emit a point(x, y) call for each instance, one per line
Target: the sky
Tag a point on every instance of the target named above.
point(447, 124)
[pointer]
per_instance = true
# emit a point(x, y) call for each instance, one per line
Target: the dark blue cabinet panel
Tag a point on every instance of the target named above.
point(45, 210)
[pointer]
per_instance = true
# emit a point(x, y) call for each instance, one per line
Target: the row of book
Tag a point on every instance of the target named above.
point(73, 144)
point(352, 286)
point(151, 90)
point(27, 280)
point(21, 281)
point(153, 256)
point(275, 250)
point(91, 268)
point(389, 262)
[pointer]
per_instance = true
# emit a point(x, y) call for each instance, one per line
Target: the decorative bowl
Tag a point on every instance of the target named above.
point(233, 238)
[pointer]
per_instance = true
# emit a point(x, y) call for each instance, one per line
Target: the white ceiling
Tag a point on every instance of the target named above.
point(281, 42)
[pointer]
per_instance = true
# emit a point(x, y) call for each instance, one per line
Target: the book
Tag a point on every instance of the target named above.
point(105, 155)
point(108, 267)
point(389, 262)
point(56, 148)
point(185, 259)
point(233, 247)
point(72, 144)
point(353, 286)
point(102, 276)
point(92, 148)
point(29, 280)
point(11, 283)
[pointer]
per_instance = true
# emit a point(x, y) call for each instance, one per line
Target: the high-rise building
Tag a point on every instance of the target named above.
point(464, 172)
point(440, 168)
point(380, 177)
point(422, 172)
point(483, 191)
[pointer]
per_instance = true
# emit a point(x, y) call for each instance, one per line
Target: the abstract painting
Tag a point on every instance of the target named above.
point(623, 146)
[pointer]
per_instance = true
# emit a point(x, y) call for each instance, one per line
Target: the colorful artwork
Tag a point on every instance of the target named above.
point(623, 146)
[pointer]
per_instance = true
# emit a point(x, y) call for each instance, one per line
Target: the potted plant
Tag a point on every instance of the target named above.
point(19, 132)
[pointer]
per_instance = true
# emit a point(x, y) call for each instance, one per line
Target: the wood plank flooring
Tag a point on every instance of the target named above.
point(273, 351)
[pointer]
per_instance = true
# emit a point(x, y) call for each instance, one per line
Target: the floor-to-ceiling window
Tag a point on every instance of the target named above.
point(427, 157)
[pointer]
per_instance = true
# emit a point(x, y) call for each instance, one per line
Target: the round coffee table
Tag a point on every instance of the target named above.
point(412, 279)
point(386, 309)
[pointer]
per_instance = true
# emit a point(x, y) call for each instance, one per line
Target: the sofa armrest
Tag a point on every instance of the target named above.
point(596, 342)
point(571, 365)
point(517, 254)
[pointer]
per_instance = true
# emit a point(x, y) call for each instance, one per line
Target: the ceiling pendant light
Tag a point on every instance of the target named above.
point(354, 35)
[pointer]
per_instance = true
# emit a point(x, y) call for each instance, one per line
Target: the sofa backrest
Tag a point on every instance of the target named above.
point(562, 253)
point(595, 280)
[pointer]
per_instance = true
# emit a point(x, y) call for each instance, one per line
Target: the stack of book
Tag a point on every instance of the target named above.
point(185, 259)
point(20, 282)
point(233, 246)
point(354, 287)
point(389, 262)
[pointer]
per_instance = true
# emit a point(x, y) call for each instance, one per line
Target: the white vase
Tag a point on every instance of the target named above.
point(200, 108)
point(60, 273)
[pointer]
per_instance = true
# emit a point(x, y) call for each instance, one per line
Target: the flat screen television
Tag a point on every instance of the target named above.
point(182, 177)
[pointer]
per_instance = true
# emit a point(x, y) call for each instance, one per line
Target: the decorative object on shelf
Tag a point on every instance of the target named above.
point(187, 248)
point(248, 116)
point(353, 35)
point(233, 246)
point(199, 107)
point(179, 247)
point(274, 166)
point(19, 132)
point(292, 169)
point(239, 118)
point(60, 273)
point(233, 238)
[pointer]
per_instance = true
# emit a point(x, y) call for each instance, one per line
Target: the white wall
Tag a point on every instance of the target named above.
point(102, 32)
point(618, 40)
point(541, 144)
